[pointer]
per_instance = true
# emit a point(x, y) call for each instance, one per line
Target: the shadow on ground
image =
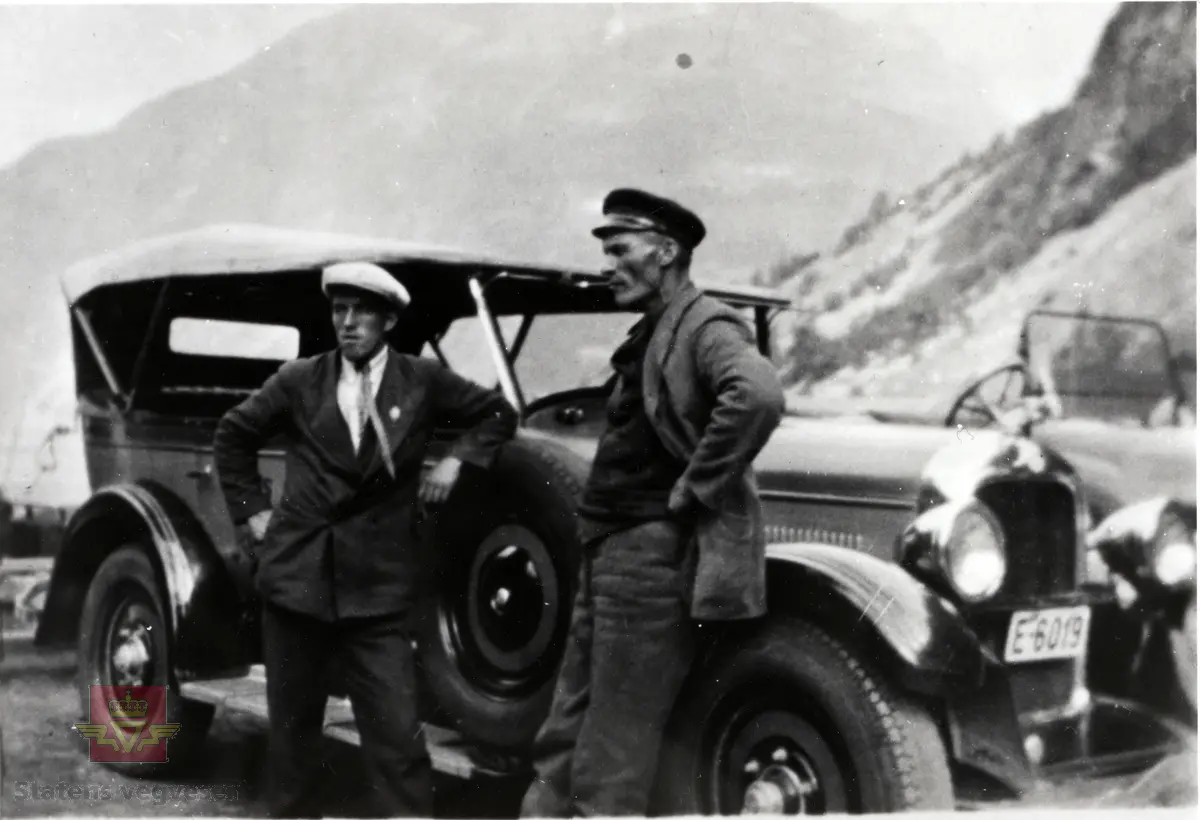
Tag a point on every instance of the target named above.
point(40, 752)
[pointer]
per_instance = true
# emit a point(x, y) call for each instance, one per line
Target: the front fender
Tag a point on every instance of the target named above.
point(197, 592)
point(935, 648)
point(932, 649)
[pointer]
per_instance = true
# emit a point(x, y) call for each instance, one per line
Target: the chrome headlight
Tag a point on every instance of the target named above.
point(964, 542)
point(1149, 544)
point(973, 555)
point(1174, 552)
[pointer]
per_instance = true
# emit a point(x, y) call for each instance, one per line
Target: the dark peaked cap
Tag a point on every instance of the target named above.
point(627, 209)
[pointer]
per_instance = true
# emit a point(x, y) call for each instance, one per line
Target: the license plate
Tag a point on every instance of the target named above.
point(1047, 634)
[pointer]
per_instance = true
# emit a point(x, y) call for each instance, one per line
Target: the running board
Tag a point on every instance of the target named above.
point(247, 695)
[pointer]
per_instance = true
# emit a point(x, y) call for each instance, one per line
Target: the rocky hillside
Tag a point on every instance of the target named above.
point(1091, 206)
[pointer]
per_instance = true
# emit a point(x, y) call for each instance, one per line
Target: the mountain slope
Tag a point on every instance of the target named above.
point(1150, 234)
point(1090, 206)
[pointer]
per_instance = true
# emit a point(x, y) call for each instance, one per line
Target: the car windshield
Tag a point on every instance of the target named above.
point(569, 350)
point(1103, 368)
point(1106, 369)
point(561, 351)
point(1111, 371)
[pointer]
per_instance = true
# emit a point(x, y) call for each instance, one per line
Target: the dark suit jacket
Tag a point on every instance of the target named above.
point(346, 538)
point(714, 401)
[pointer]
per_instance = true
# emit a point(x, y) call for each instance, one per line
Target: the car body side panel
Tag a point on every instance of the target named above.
point(179, 456)
point(839, 521)
point(864, 460)
point(827, 460)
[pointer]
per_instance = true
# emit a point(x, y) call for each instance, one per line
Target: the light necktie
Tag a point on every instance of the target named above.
point(368, 413)
point(365, 397)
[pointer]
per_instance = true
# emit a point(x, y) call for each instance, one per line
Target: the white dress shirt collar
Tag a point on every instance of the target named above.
point(348, 388)
point(373, 368)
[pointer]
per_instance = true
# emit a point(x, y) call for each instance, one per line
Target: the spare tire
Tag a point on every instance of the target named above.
point(494, 626)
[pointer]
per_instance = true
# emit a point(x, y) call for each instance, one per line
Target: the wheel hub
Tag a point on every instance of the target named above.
point(131, 655)
point(778, 790)
point(776, 762)
point(500, 600)
point(130, 652)
point(511, 605)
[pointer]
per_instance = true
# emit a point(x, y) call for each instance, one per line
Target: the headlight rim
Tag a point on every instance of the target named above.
point(946, 543)
point(1164, 539)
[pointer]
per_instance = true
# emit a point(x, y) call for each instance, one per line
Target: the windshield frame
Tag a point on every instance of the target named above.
point(1174, 378)
point(504, 356)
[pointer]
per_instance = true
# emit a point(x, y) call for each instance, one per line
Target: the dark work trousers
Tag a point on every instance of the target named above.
point(375, 657)
point(631, 644)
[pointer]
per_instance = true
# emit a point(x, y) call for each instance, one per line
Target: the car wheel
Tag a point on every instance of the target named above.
point(123, 639)
point(1183, 651)
point(493, 631)
point(789, 721)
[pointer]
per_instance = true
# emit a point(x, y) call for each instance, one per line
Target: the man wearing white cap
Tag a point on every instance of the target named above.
point(341, 560)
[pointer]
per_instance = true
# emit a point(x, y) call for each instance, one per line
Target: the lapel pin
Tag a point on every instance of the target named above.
point(394, 413)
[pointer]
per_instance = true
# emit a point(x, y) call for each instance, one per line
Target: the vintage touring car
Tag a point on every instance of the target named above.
point(1106, 393)
point(929, 607)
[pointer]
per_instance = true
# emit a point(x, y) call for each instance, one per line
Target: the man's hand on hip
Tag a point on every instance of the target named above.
point(682, 504)
point(258, 524)
point(436, 486)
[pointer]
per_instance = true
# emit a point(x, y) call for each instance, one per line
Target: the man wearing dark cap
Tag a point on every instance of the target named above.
point(340, 560)
point(671, 519)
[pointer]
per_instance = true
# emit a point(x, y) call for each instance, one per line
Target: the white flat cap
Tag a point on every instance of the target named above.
point(365, 276)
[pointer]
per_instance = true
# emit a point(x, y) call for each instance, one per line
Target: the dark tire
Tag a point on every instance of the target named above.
point(493, 631)
point(124, 608)
point(792, 709)
point(1183, 651)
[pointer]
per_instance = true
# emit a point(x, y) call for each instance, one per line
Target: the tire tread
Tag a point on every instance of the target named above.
point(900, 734)
point(908, 730)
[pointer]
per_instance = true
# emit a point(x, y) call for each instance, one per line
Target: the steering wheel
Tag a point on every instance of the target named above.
point(991, 395)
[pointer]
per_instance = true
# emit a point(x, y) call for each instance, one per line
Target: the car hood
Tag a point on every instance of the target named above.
point(1121, 465)
point(854, 457)
point(869, 460)
point(849, 457)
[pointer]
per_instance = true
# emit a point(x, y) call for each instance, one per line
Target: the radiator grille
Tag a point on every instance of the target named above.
point(1039, 528)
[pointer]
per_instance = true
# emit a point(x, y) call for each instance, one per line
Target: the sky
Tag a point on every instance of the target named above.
point(1035, 54)
point(79, 69)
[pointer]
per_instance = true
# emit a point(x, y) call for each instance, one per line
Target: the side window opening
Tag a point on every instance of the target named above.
point(238, 340)
point(208, 365)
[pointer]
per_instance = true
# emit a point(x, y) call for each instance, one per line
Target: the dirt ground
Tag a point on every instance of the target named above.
point(39, 749)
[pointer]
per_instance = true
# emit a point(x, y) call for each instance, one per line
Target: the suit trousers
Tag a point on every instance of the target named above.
point(631, 644)
point(374, 656)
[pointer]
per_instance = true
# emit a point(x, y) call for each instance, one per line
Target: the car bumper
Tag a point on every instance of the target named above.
point(1107, 737)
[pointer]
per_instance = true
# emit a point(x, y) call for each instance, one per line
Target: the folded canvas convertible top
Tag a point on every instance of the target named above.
point(242, 248)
